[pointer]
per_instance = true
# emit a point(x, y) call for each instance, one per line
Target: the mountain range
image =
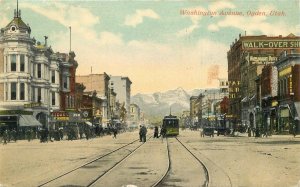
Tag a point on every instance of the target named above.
point(159, 104)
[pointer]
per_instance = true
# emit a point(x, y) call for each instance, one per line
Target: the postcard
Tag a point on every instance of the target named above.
point(149, 93)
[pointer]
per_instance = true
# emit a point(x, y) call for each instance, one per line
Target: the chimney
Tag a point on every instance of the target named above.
point(240, 35)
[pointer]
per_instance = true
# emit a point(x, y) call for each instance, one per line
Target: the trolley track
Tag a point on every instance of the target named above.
point(176, 176)
point(110, 169)
point(139, 169)
point(221, 173)
point(92, 163)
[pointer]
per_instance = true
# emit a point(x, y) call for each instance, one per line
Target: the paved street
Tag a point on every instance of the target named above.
point(229, 161)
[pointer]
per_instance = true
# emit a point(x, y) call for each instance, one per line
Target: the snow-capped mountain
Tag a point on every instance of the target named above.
point(159, 103)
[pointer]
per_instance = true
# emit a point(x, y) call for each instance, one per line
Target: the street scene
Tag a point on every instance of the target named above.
point(185, 160)
point(149, 93)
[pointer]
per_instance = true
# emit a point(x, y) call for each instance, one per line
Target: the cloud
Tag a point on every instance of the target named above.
point(253, 25)
point(152, 66)
point(213, 27)
point(80, 19)
point(219, 5)
point(188, 31)
point(195, 21)
point(108, 38)
point(138, 17)
point(3, 21)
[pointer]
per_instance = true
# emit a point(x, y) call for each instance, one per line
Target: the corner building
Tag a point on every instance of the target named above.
point(30, 78)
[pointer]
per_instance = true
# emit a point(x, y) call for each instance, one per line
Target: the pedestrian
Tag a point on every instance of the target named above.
point(8, 135)
point(265, 132)
point(257, 132)
point(5, 136)
point(14, 135)
point(201, 132)
point(144, 133)
point(294, 130)
point(115, 131)
point(28, 134)
point(249, 132)
point(155, 132)
point(61, 133)
point(87, 132)
point(163, 132)
point(140, 133)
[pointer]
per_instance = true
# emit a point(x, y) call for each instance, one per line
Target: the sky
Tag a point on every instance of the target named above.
point(152, 42)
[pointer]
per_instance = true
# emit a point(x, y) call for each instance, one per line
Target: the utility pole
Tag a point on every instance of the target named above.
point(70, 37)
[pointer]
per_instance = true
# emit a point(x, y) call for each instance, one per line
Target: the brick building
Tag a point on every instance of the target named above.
point(246, 58)
point(288, 67)
point(100, 84)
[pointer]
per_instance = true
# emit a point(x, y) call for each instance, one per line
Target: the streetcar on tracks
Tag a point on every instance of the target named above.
point(171, 124)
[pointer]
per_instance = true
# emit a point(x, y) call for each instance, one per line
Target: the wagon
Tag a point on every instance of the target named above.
point(208, 131)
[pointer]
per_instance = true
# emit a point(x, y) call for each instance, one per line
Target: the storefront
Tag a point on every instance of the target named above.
point(14, 119)
point(285, 119)
point(62, 119)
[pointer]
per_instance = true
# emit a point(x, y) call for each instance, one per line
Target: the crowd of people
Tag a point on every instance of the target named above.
point(70, 132)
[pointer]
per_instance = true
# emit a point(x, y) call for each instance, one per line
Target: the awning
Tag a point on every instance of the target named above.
point(88, 123)
point(28, 120)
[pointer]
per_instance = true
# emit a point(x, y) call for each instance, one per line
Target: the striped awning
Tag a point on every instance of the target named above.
point(28, 121)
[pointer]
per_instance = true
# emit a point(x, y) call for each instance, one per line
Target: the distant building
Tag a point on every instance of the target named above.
point(122, 87)
point(98, 83)
point(196, 110)
point(135, 114)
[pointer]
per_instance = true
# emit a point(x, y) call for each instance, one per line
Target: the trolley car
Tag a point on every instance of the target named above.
point(171, 124)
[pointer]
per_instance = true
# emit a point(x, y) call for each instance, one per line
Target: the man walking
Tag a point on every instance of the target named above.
point(144, 133)
point(5, 135)
point(155, 132)
point(140, 133)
